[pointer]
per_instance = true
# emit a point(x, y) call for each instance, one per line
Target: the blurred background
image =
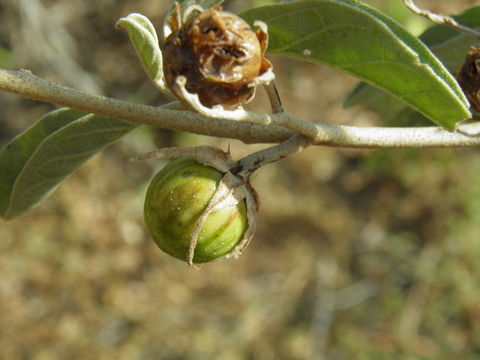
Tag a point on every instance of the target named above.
point(360, 254)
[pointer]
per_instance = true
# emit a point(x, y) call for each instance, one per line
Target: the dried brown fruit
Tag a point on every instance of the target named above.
point(220, 56)
point(469, 77)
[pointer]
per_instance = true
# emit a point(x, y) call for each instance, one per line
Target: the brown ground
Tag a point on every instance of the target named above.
point(359, 254)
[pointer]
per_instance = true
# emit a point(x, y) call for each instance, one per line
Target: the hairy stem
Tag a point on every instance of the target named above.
point(255, 161)
point(273, 97)
point(296, 143)
point(30, 86)
point(25, 84)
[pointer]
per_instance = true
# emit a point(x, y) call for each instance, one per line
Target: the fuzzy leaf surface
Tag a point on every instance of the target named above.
point(35, 162)
point(355, 38)
point(144, 38)
point(448, 45)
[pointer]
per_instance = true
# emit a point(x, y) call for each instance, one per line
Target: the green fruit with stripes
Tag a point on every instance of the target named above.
point(176, 197)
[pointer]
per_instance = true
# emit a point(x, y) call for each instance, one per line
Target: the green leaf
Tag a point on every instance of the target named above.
point(353, 37)
point(35, 162)
point(447, 44)
point(145, 41)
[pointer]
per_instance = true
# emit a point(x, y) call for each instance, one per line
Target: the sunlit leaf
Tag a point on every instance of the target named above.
point(449, 45)
point(353, 37)
point(39, 159)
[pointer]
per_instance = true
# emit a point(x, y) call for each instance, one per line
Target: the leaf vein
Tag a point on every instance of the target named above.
point(325, 29)
point(93, 132)
point(66, 157)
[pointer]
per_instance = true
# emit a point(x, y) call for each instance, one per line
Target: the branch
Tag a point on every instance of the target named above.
point(28, 85)
point(265, 131)
point(246, 166)
point(440, 19)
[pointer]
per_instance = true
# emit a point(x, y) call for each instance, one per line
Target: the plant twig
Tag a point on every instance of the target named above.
point(26, 84)
point(440, 19)
point(298, 142)
point(207, 155)
point(255, 161)
point(273, 97)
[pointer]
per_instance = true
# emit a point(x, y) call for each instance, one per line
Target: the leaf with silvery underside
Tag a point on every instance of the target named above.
point(449, 45)
point(144, 38)
point(357, 39)
point(35, 162)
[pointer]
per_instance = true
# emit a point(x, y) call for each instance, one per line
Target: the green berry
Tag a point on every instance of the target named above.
point(176, 197)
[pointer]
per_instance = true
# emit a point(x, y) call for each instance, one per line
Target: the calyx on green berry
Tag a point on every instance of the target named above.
point(175, 206)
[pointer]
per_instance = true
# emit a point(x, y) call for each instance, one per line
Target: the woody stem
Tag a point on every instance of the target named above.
point(246, 166)
point(296, 143)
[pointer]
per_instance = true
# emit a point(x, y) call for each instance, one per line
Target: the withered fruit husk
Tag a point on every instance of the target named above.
point(219, 55)
point(469, 78)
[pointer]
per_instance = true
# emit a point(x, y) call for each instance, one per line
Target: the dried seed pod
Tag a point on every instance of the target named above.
point(219, 55)
point(469, 77)
point(177, 197)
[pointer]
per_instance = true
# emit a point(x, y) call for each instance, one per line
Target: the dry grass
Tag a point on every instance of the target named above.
point(359, 254)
